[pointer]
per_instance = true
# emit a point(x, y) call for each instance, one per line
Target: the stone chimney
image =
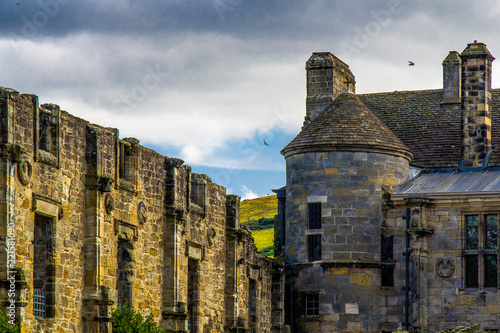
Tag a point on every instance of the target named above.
point(476, 101)
point(452, 79)
point(327, 77)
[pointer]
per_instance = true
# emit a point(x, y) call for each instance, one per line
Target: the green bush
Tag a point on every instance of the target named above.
point(5, 326)
point(127, 320)
point(259, 224)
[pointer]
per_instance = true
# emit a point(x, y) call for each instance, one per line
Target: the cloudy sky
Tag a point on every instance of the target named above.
point(209, 80)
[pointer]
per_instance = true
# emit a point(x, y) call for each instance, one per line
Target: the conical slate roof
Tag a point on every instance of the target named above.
point(347, 125)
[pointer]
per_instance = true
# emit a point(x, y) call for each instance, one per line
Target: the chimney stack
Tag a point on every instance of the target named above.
point(476, 101)
point(327, 77)
point(452, 79)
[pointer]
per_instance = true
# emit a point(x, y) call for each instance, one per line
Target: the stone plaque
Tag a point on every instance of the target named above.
point(352, 308)
point(194, 252)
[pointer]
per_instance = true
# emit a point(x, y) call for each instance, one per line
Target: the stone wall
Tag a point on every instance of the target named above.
point(347, 278)
point(101, 221)
point(439, 298)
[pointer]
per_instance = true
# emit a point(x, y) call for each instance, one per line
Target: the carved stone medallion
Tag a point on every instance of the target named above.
point(141, 213)
point(445, 267)
point(25, 171)
point(109, 203)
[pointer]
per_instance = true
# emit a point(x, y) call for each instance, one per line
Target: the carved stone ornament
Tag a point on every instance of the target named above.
point(210, 236)
point(445, 267)
point(25, 171)
point(415, 218)
point(105, 184)
point(141, 213)
point(109, 203)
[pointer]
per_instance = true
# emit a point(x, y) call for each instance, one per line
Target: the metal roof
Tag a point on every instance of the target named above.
point(452, 182)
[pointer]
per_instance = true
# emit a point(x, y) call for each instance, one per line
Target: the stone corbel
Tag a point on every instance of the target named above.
point(98, 183)
point(15, 151)
point(106, 184)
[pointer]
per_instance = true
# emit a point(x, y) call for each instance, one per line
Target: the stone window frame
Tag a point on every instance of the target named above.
point(125, 270)
point(387, 256)
point(311, 305)
point(198, 193)
point(193, 289)
point(314, 213)
point(314, 247)
point(480, 253)
point(52, 154)
point(314, 236)
point(127, 233)
point(127, 164)
point(253, 307)
point(50, 208)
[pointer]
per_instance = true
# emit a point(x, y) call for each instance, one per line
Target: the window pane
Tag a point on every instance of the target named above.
point(387, 248)
point(315, 215)
point(491, 232)
point(314, 247)
point(388, 277)
point(471, 266)
point(472, 232)
point(490, 271)
point(312, 305)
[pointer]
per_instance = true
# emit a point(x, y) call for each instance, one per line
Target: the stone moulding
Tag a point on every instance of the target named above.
point(345, 263)
point(126, 230)
point(47, 206)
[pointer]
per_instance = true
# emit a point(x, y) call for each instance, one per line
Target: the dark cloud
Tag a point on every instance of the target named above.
point(228, 64)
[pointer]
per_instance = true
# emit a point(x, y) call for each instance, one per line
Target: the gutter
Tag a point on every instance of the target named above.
point(289, 263)
point(407, 273)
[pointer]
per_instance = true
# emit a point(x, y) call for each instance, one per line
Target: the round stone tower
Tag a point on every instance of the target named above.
point(338, 168)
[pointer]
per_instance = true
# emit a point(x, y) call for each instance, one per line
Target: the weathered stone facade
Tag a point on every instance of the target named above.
point(392, 206)
point(100, 221)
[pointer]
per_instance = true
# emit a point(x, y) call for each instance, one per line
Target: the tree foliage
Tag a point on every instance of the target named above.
point(6, 327)
point(127, 320)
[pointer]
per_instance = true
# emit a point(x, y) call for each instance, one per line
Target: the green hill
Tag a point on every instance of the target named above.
point(254, 209)
point(264, 240)
point(258, 215)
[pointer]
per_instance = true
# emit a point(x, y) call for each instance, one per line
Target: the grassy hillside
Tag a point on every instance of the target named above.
point(254, 209)
point(264, 240)
point(258, 215)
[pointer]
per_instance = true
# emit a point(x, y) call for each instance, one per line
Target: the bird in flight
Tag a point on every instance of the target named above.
point(265, 143)
point(411, 63)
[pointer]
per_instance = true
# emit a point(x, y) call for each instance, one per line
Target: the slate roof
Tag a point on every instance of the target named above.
point(346, 124)
point(452, 182)
point(432, 132)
